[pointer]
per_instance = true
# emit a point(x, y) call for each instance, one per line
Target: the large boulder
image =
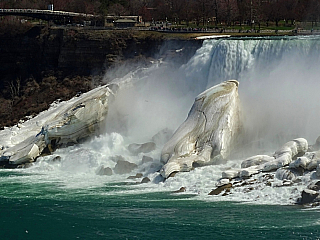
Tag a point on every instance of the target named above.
point(219, 189)
point(207, 134)
point(308, 196)
point(288, 152)
point(285, 174)
point(79, 120)
point(136, 148)
point(123, 167)
point(102, 170)
point(64, 123)
point(301, 162)
point(256, 160)
point(314, 186)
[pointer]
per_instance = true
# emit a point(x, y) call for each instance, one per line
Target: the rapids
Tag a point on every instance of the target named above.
point(279, 95)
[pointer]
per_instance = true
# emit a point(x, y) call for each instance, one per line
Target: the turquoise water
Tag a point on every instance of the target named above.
point(47, 210)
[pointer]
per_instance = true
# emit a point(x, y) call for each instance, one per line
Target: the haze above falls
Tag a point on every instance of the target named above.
point(278, 89)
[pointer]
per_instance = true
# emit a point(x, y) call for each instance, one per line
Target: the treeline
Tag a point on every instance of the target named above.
point(203, 12)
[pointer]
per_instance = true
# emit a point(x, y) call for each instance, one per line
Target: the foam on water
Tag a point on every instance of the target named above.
point(279, 93)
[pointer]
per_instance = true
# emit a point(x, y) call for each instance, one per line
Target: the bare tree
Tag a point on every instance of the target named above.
point(228, 11)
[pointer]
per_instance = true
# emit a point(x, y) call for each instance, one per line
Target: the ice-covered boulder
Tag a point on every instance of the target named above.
point(313, 164)
point(256, 160)
point(231, 173)
point(287, 153)
point(207, 134)
point(66, 123)
point(302, 162)
point(242, 173)
point(81, 119)
point(285, 174)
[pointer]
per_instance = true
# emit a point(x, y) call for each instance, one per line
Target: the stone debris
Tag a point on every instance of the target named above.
point(123, 167)
point(218, 190)
point(182, 189)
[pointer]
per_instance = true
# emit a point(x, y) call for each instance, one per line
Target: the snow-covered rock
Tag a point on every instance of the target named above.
point(285, 174)
point(68, 122)
point(302, 162)
point(287, 153)
point(207, 134)
point(231, 173)
point(256, 160)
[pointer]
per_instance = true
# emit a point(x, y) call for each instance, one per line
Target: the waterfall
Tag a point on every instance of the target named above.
point(278, 88)
point(278, 92)
point(278, 83)
point(279, 98)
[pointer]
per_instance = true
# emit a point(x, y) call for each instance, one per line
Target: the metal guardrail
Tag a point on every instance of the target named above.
point(44, 12)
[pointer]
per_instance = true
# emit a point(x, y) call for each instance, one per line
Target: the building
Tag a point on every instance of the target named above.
point(122, 21)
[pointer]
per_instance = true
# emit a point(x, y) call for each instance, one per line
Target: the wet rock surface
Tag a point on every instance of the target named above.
point(308, 196)
point(182, 189)
point(145, 180)
point(218, 190)
point(138, 175)
point(123, 167)
point(104, 171)
point(136, 148)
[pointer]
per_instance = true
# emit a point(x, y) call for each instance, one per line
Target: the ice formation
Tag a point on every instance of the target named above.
point(69, 122)
point(208, 132)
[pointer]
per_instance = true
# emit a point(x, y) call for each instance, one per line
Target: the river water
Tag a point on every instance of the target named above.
point(279, 93)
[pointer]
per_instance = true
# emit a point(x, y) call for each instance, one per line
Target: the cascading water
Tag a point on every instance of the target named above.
point(62, 196)
point(278, 90)
point(278, 83)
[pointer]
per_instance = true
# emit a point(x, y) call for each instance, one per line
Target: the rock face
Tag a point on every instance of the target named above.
point(67, 123)
point(182, 189)
point(44, 64)
point(218, 190)
point(145, 180)
point(123, 167)
point(308, 196)
point(104, 171)
point(207, 134)
point(136, 148)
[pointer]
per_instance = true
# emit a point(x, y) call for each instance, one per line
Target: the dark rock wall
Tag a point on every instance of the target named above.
point(42, 65)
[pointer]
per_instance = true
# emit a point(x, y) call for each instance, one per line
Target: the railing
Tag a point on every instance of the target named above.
point(44, 12)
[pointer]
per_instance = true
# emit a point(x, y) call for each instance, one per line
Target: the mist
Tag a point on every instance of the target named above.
point(280, 96)
point(278, 91)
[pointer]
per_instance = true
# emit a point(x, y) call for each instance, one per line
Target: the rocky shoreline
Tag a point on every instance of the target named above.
point(295, 168)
